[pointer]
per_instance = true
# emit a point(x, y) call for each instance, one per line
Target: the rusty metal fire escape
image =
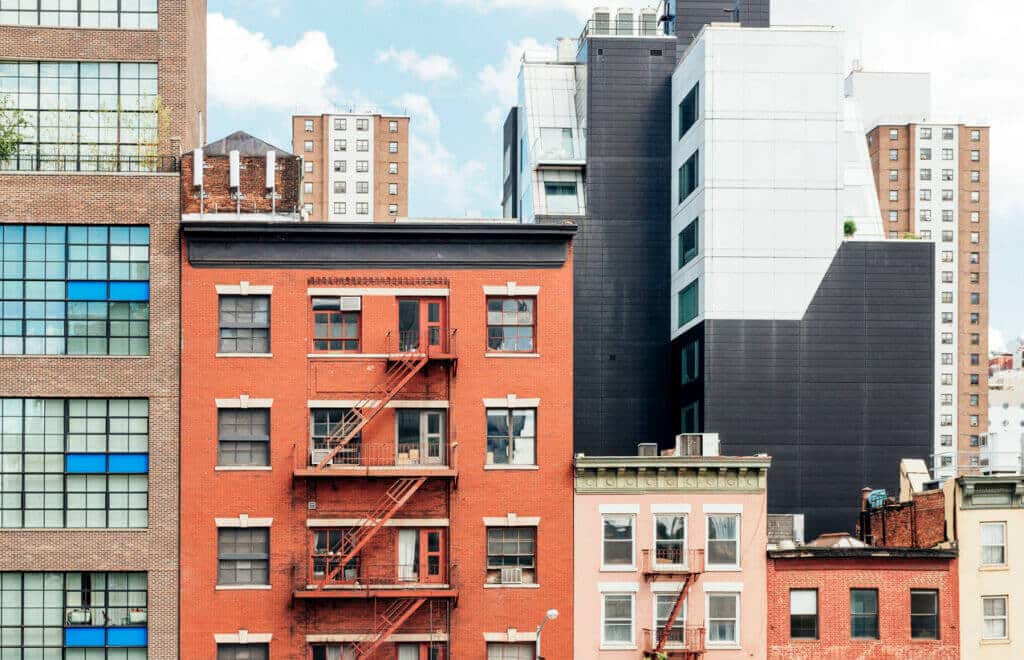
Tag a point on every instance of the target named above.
point(674, 567)
point(388, 621)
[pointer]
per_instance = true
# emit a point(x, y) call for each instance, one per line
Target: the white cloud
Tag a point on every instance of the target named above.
point(247, 70)
point(581, 8)
point(424, 67)
point(501, 82)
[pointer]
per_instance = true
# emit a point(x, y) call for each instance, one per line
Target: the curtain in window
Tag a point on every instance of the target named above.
point(408, 541)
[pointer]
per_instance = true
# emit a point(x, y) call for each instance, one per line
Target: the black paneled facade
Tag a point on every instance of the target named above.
point(692, 15)
point(510, 165)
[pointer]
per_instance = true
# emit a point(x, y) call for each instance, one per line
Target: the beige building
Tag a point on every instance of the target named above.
point(985, 516)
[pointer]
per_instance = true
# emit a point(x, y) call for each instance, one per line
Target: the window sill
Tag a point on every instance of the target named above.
point(996, 642)
point(618, 647)
point(74, 357)
point(242, 468)
point(710, 568)
point(716, 647)
point(492, 466)
point(244, 355)
point(348, 356)
point(1002, 568)
point(243, 587)
point(512, 355)
point(618, 569)
point(533, 585)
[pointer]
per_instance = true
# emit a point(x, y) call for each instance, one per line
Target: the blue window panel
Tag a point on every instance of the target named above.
point(85, 463)
point(129, 463)
point(127, 636)
point(84, 637)
point(87, 290)
point(129, 291)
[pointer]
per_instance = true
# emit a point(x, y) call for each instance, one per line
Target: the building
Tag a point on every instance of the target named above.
point(787, 334)
point(1002, 448)
point(932, 177)
point(672, 538)
point(985, 515)
point(356, 166)
point(89, 215)
point(401, 486)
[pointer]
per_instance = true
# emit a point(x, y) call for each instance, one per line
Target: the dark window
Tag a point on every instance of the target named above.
point(244, 324)
point(690, 422)
point(243, 436)
point(975, 298)
point(421, 436)
point(333, 329)
point(924, 614)
point(511, 324)
point(688, 247)
point(688, 177)
point(243, 555)
point(688, 110)
point(974, 379)
point(329, 426)
point(691, 362)
point(511, 436)
point(864, 613)
point(803, 613)
point(688, 303)
point(245, 652)
point(511, 555)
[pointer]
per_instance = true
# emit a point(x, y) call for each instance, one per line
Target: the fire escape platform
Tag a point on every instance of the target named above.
point(363, 592)
point(377, 471)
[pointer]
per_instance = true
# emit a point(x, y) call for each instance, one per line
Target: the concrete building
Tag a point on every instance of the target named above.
point(89, 214)
point(401, 487)
point(1002, 448)
point(932, 178)
point(356, 166)
point(670, 538)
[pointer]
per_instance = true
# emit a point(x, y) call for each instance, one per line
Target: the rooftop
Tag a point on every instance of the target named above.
point(246, 145)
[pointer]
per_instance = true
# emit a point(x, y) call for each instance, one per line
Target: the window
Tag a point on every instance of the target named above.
point(362, 145)
point(687, 301)
point(947, 236)
point(392, 209)
point(973, 400)
point(511, 324)
point(688, 110)
point(974, 379)
point(392, 188)
point(947, 461)
point(723, 548)
point(975, 155)
point(340, 123)
point(975, 135)
point(894, 175)
point(392, 126)
point(506, 651)
point(339, 166)
point(924, 614)
point(864, 613)
point(688, 243)
point(723, 619)
point(663, 605)
point(341, 145)
point(947, 175)
point(511, 555)
point(947, 358)
point(947, 296)
point(926, 174)
point(328, 426)
point(894, 154)
point(947, 379)
point(926, 153)
point(308, 167)
point(925, 195)
point(308, 125)
point(307, 188)
point(946, 440)
point(803, 613)
point(362, 208)
point(926, 133)
point(362, 166)
point(993, 544)
point(307, 209)
point(307, 146)
point(975, 176)
point(894, 195)
point(392, 147)
point(974, 258)
point(974, 277)
point(133, 16)
point(975, 298)
point(691, 362)
point(392, 168)
point(975, 359)
point(947, 256)
point(362, 124)
point(670, 540)
point(333, 328)
point(340, 208)
point(617, 619)
point(975, 339)
point(690, 418)
point(243, 436)
point(947, 154)
point(946, 399)
point(974, 319)
point(894, 134)
point(975, 216)
point(688, 177)
point(511, 436)
point(248, 652)
point(947, 215)
point(362, 187)
point(894, 216)
point(947, 317)
point(618, 535)
point(993, 612)
point(894, 234)
point(926, 235)
point(243, 555)
point(947, 133)
point(244, 324)
point(947, 195)
point(947, 276)
point(340, 187)
point(925, 215)
point(560, 197)
point(947, 337)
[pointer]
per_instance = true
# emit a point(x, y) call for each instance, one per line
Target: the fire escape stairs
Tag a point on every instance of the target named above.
point(688, 580)
point(399, 372)
point(390, 620)
point(394, 499)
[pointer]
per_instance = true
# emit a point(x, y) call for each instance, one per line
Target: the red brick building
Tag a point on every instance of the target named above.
point(376, 439)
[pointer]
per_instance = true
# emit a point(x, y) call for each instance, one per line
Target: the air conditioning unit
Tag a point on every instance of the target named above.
point(647, 449)
point(689, 444)
point(317, 455)
point(602, 21)
point(648, 22)
point(624, 21)
point(79, 616)
point(511, 576)
point(351, 303)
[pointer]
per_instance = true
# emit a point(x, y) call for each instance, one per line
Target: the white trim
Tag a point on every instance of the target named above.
point(511, 520)
point(628, 590)
point(509, 466)
point(618, 587)
point(418, 403)
point(394, 522)
point(377, 291)
point(512, 355)
point(243, 288)
point(511, 401)
point(618, 508)
point(244, 401)
point(243, 355)
point(243, 520)
point(510, 635)
point(242, 587)
point(243, 637)
point(510, 289)
point(723, 508)
point(708, 566)
point(242, 468)
point(725, 587)
point(671, 508)
point(685, 612)
point(367, 637)
point(616, 568)
point(532, 585)
point(708, 644)
point(666, 587)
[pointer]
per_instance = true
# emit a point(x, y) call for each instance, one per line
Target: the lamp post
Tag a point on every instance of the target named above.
point(550, 615)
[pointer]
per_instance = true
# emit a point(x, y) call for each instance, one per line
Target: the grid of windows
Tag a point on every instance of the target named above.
point(243, 555)
point(109, 14)
point(74, 290)
point(74, 463)
point(88, 116)
point(243, 436)
point(511, 324)
point(244, 324)
point(512, 555)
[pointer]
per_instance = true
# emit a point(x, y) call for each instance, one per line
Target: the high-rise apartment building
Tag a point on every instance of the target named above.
point(356, 166)
point(111, 94)
point(932, 179)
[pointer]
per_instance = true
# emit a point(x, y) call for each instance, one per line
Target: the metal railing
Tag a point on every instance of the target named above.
point(636, 25)
point(100, 164)
point(356, 454)
point(435, 341)
point(672, 559)
point(688, 638)
point(359, 574)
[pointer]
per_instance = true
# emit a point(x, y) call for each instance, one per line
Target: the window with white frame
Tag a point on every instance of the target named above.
point(362, 145)
point(723, 546)
point(362, 124)
point(947, 154)
point(975, 176)
point(975, 135)
point(308, 125)
point(975, 216)
point(307, 188)
point(947, 133)
point(947, 215)
point(894, 216)
point(340, 208)
point(340, 187)
point(663, 606)
point(307, 146)
point(947, 175)
point(723, 619)
point(925, 215)
point(617, 627)
point(362, 208)
point(926, 235)
point(392, 126)
point(993, 544)
point(894, 154)
point(392, 168)
point(894, 134)
point(392, 209)
point(511, 436)
point(392, 188)
point(308, 167)
point(947, 195)
point(975, 155)
point(926, 154)
point(894, 175)
point(993, 611)
point(362, 166)
point(975, 195)
point(670, 539)
point(803, 613)
point(894, 195)
point(925, 194)
point(341, 145)
point(507, 651)
point(926, 133)
point(618, 536)
point(362, 187)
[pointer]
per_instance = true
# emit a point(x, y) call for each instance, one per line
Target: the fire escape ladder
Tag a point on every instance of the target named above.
point(397, 375)
point(667, 630)
point(394, 499)
point(388, 622)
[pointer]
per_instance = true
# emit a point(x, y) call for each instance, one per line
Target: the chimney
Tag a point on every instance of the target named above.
point(864, 492)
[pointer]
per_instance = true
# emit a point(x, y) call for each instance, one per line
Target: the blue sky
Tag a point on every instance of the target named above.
point(451, 65)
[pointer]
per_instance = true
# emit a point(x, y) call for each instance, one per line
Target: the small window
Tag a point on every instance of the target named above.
point(723, 619)
point(975, 298)
point(688, 177)
point(689, 421)
point(894, 154)
point(362, 166)
point(243, 436)
point(975, 176)
point(307, 146)
point(926, 174)
point(362, 208)
point(243, 556)
point(392, 168)
point(392, 147)
point(974, 319)
point(340, 208)
point(511, 555)
point(362, 145)
point(925, 215)
point(947, 317)
point(894, 216)
point(362, 124)
point(688, 110)
point(947, 297)
point(947, 175)
point(925, 194)
point(333, 328)
point(926, 153)
point(308, 125)
point(618, 534)
point(308, 166)
point(975, 278)
point(894, 234)
point(560, 197)
point(340, 124)
point(688, 303)
point(392, 126)
point(993, 611)
point(341, 145)
point(894, 175)
point(340, 187)
point(864, 613)
point(244, 324)
point(894, 195)
point(973, 399)
point(947, 154)
point(617, 619)
point(946, 440)
point(947, 337)
point(243, 652)
point(975, 135)
point(947, 277)
point(307, 188)
point(974, 379)
point(947, 134)
point(975, 217)
point(392, 188)
point(688, 243)
point(946, 399)
point(362, 187)
point(307, 209)
point(947, 379)
point(803, 613)
point(975, 195)
point(974, 257)
point(926, 133)
point(894, 134)
point(339, 166)
point(947, 236)
point(511, 436)
point(392, 209)
point(723, 546)
point(947, 215)
point(511, 324)
point(924, 614)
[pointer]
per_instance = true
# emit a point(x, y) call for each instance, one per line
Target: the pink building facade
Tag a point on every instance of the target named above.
point(650, 528)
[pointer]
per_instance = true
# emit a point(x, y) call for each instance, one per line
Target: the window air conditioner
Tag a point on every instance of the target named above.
point(351, 303)
point(511, 576)
point(647, 449)
point(317, 455)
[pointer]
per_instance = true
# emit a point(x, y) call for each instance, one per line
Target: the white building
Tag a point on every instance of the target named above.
point(1003, 450)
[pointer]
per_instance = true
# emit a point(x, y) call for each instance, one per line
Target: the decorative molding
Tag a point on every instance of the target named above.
point(395, 403)
point(244, 289)
point(369, 637)
point(510, 635)
point(618, 508)
point(510, 289)
point(670, 474)
point(243, 637)
point(511, 520)
point(377, 291)
point(244, 401)
point(666, 587)
point(623, 587)
point(243, 520)
point(511, 401)
point(394, 522)
point(512, 355)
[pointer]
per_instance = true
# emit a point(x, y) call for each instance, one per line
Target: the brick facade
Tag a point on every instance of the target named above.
point(920, 523)
point(288, 179)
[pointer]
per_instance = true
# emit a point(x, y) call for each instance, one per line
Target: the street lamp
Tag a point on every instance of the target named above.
point(550, 615)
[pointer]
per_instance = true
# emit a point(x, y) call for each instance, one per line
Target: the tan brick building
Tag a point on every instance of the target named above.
point(89, 214)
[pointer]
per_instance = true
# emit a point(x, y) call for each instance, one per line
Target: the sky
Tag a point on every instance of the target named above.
point(451, 65)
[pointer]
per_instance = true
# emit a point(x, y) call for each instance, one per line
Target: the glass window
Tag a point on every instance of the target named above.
point(128, 15)
point(243, 555)
point(340, 208)
point(244, 324)
point(340, 124)
point(392, 188)
point(340, 187)
point(393, 209)
point(511, 555)
point(691, 361)
point(864, 613)
point(947, 154)
point(362, 124)
point(993, 543)
point(926, 153)
point(392, 168)
point(362, 187)
point(894, 175)
point(690, 418)
point(308, 166)
point(663, 605)
point(993, 609)
point(307, 146)
point(362, 208)
point(723, 619)
point(560, 197)
point(975, 135)
point(894, 154)
point(893, 134)
point(803, 613)
point(362, 145)
point(392, 126)
point(618, 534)
point(670, 540)
point(723, 548)
point(248, 652)
point(926, 133)
point(687, 302)
point(362, 166)
point(688, 243)
point(617, 619)
point(511, 324)
point(947, 175)
point(688, 176)
point(925, 215)
point(925, 194)
point(947, 133)
point(340, 166)
point(511, 436)
point(924, 614)
point(894, 216)
point(894, 195)
point(421, 436)
point(307, 125)
point(392, 147)
point(243, 436)
point(926, 174)
point(331, 425)
point(341, 145)
point(689, 110)
point(509, 651)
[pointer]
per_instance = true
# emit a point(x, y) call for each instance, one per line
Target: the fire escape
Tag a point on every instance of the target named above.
point(669, 640)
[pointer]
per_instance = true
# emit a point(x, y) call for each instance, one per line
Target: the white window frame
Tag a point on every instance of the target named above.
point(307, 125)
point(708, 566)
point(654, 538)
point(614, 645)
point(620, 568)
point(708, 644)
point(1005, 616)
point(683, 614)
point(981, 558)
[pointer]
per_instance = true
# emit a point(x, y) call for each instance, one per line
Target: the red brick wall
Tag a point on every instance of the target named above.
point(920, 523)
point(833, 578)
point(291, 379)
point(252, 180)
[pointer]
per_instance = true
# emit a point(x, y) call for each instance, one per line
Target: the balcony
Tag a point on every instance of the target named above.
point(671, 562)
point(359, 580)
point(644, 24)
point(434, 342)
point(404, 459)
point(684, 642)
point(92, 164)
